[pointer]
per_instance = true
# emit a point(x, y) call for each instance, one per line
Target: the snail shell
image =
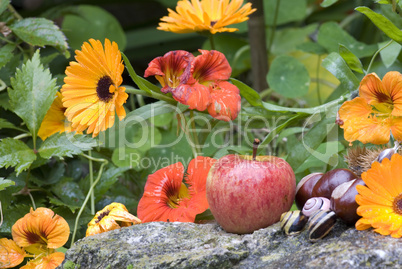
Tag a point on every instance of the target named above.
point(386, 153)
point(315, 203)
point(293, 222)
point(320, 224)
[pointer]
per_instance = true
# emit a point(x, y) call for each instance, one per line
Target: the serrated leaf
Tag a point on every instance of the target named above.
point(4, 183)
point(382, 23)
point(288, 77)
point(108, 178)
point(352, 61)
point(65, 145)
point(41, 32)
point(247, 93)
point(6, 54)
point(33, 91)
point(15, 153)
point(335, 64)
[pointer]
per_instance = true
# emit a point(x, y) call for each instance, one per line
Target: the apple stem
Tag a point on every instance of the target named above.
point(255, 147)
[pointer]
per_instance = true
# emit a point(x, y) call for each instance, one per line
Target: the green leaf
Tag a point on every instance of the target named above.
point(327, 3)
point(311, 140)
point(41, 32)
point(288, 77)
point(134, 75)
point(335, 64)
point(330, 35)
point(352, 61)
point(390, 53)
point(127, 157)
point(108, 178)
point(382, 23)
point(15, 153)
point(65, 145)
point(8, 125)
point(69, 193)
point(148, 111)
point(312, 47)
point(3, 5)
point(92, 22)
point(4, 183)
point(6, 54)
point(288, 11)
point(33, 91)
point(248, 93)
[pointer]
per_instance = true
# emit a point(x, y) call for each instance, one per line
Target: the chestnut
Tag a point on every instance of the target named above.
point(343, 201)
point(330, 180)
point(305, 187)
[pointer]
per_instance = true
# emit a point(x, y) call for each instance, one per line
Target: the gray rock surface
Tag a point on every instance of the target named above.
point(187, 245)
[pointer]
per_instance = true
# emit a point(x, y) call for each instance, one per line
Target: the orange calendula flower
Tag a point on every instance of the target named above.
point(92, 92)
point(11, 254)
point(205, 16)
point(199, 82)
point(50, 261)
point(371, 117)
point(55, 120)
point(167, 198)
point(112, 217)
point(40, 230)
point(380, 201)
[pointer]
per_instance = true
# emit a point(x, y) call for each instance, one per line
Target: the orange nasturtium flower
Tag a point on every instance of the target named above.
point(380, 201)
point(377, 111)
point(11, 254)
point(112, 217)
point(92, 91)
point(167, 198)
point(199, 82)
point(40, 230)
point(50, 261)
point(55, 120)
point(205, 16)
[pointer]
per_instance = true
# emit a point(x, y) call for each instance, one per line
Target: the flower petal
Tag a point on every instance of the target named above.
point(211, 66)
point(196, 96)
point(374, 92)
point(11, 254)
point(225, 101)
point(392, 82)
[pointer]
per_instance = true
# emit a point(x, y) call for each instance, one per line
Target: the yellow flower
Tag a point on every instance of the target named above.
point(112, 217)
point(92, 91)
point(40, 230)
point(380, 202)
point(55, 120)
point(10, 253)
point(371, 117)
point(47, 262)
point(205, 16)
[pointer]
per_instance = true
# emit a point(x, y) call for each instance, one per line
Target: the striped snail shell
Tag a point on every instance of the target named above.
point(320, 224)
point(293, 222)
point(315, 203)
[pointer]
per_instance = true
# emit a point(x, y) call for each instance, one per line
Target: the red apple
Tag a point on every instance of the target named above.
point(246, 193)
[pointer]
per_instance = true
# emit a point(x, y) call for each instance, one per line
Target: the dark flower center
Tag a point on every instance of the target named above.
point(397, 204)
point(102, 215)
point(102, 89)
point(213, 23)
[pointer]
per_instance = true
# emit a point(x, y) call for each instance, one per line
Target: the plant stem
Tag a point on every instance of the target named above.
point(318, 80)
point(91, 181)
point(271, 38)
point(14, 12)
point(1, 215)
point(194, 133)
point(375, 55)
point(20, 136)
point(104, 162)
point(255, 147)
point(32, 200)
point(211, 41)
point(155, 95)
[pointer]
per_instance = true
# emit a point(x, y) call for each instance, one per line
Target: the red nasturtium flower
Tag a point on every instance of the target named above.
point(11, 254)
point(167, 198)
point(40, 230)
point(199, 82)
point(112, 217)
point(377, 111)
